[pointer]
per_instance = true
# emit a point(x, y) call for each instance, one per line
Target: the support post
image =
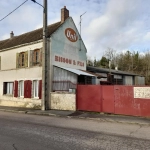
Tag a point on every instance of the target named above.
point(45, 62)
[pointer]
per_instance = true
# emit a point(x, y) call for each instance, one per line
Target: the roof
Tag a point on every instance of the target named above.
point(28, 37)
point(106, 70)
point(76, 71)
point(95, 74)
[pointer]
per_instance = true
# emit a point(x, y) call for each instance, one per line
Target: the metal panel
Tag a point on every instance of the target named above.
point(124, 100)
point(128, 80)
point(108, 99)
point(126, 104)
point(76, 71)
point(89, 98)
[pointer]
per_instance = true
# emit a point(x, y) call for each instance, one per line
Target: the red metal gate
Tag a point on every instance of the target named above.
point(118, 99)
point(89, 98)
point(108, 104)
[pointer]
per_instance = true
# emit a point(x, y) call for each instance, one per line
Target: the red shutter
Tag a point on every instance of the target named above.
point(40, 89)
point(27, 88)
point(16, 89)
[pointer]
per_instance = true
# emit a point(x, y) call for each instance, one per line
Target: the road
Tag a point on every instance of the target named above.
point(32, 132)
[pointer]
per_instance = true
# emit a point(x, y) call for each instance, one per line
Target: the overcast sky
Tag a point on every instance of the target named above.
point(117, 24)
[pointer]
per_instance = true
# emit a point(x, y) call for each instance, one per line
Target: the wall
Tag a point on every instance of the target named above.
point(20, 102)
point(64, 49)
point(63, 101)
point(9, 73)
point(118, 99)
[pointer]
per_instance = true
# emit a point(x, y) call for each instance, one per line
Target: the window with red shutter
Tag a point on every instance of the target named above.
point(16, 89)
point(40, 89)
point(27, 88)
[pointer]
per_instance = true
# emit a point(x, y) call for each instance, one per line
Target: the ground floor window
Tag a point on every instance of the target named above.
point(21, 88)
point(8, 88)
point(35, 88)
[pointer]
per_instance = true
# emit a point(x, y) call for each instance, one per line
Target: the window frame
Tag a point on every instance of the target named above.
point(21, 88)
point(36, 89)
point(8, 88)
point(22, 59)
point(36, 57)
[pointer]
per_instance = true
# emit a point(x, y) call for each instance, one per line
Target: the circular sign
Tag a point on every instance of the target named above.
point(71, 35)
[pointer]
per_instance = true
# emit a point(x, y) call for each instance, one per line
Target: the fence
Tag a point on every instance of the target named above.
point(118, 99)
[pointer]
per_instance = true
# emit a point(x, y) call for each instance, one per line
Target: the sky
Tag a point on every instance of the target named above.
point(117, 24)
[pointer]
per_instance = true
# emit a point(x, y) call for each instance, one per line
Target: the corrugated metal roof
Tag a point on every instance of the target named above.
point(76, 71)
point(106, 70)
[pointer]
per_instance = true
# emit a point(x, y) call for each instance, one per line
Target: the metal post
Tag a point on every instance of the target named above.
point(45, 63)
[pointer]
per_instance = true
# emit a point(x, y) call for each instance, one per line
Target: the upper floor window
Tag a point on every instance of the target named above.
point(35, 57)
point(22, 59)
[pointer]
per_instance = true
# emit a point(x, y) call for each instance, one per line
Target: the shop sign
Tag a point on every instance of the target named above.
point(71, 35)
point(69, 61)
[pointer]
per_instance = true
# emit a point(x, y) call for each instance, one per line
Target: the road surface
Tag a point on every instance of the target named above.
point(32, 132)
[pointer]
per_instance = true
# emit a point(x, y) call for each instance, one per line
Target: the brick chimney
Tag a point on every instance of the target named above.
point(11, 34)
point(64, 14)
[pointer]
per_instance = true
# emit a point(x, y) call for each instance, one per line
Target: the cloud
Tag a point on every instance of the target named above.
point(118, 24)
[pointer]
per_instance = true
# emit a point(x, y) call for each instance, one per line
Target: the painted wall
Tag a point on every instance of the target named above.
point(63, 101)
point(9, 73)
point(65, 52)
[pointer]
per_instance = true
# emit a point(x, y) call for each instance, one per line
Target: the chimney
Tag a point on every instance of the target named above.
point(64, 14)
point(11, 34)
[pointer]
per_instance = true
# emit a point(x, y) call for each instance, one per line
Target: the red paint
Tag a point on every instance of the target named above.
point(108, 101)
point(16, 89)
point(111, 99)
point(40, 89)
point(71, 35)
point(89, 98)
point(27, 88)
point(68, 61)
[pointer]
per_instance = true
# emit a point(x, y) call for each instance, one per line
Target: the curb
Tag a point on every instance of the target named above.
point(73, 117)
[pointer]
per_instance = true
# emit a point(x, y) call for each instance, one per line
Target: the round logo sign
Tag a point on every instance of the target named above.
point(71, 35)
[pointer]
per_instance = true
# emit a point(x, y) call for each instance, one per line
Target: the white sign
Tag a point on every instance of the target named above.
point(142, 92)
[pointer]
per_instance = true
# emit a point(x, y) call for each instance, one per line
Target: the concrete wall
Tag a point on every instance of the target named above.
point(19, 102)
point(63, 101)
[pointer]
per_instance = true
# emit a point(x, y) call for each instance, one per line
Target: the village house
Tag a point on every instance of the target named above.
point(21, 66)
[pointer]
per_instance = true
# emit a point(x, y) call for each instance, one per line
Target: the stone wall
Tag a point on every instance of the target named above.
point(20, 102)
point(63, 101)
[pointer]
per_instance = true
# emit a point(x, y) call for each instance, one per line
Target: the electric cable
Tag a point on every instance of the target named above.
point(14, 10)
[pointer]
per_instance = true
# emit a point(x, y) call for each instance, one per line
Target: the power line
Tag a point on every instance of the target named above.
point(14, 10)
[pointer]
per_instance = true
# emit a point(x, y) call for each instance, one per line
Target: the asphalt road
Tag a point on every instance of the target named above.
point(31, 132)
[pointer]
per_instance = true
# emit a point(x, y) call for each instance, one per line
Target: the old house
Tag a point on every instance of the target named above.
point(21, 64)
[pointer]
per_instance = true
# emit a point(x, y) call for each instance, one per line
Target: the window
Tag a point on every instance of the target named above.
point(8, 88)
point(0, 62)
point(22, 59)
point(35, 57)
point(36, 89)
point(21, 88)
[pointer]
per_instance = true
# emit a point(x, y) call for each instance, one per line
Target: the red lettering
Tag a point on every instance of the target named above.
point(74, 62)
point(70, 61)
point(67, 60)
point(56, 58)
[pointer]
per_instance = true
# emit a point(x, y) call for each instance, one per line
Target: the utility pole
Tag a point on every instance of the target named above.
point(45, 62)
